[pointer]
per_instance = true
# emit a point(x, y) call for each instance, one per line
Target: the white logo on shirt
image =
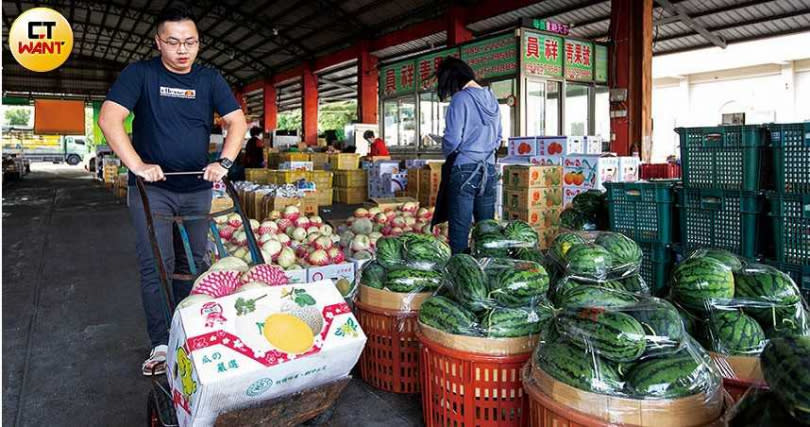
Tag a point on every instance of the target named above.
point(173, 92)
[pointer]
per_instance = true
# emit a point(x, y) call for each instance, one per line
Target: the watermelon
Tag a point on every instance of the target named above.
point(613, 335)
point(516, 322)
point(492, 245)
point(591, 203)
point(487, 226)
point(785, 365)
point(423, 251)
point(447, 315)
point(588, 260)
point(563, 243)
point(670, 377)
point(634, 283)
point(765, 283)
point(699, 280)
point(595, 296)
point(565, 284)
point(520, 234)
point(409, 280)
point(784, 321)
point(529, 254)
point(373, 275)
point(468, 282)
point(760, 409)
point(572, 219)
point(624, 251)
point(663, 325)
point(725, 257)
point(520, 287)
point(735, 333)
point(389, 252)
point(573, 366)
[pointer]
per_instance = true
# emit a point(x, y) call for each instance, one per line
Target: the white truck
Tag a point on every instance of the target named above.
point(24, 144)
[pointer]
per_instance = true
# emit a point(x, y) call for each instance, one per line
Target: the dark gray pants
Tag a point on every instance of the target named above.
point(166, 203)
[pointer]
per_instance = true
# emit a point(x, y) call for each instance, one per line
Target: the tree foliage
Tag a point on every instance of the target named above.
point(17, 116)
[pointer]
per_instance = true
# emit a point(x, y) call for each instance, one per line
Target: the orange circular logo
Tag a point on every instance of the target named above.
point(40, 39)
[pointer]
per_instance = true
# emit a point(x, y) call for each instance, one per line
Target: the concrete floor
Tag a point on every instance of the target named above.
point(73, 328)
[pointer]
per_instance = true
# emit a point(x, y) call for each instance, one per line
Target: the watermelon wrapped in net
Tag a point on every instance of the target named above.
point(495, 239)
point(595, 256)
point(629, 346)
point(633, 283)
point(737, 307)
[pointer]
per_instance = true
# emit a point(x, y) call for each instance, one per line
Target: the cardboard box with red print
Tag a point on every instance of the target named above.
point(552, 145)
point(522, 146)
point(629, 168)
point(590, 171)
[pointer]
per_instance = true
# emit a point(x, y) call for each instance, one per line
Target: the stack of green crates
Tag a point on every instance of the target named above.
point(645, 212)
point(720, 200)
point(789, 203)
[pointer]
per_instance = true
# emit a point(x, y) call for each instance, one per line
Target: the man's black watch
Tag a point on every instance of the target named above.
point(225, 162)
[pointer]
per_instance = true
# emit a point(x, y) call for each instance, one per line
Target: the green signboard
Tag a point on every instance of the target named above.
point(578, 60)
point(600, 63)
point(542, 55)
point(427, 65)
point(490, 58)
point(397, 79)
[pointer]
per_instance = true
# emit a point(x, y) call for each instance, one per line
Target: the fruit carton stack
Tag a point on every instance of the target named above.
point(533, 194)
point(384, 178)
point(323, 186)
point(423, 182)
point(350, 186)
point(789, 204)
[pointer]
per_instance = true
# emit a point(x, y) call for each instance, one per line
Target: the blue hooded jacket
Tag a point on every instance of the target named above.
point(472, 125)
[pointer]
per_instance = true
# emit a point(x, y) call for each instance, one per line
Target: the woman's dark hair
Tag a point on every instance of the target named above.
point(255, 131)
point(368, 134)
point(175, 12)
point(453, 74)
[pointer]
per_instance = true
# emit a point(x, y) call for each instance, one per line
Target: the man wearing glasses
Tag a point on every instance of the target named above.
point(174, 102)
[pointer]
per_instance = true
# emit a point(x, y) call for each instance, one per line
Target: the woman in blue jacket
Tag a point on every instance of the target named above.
point(472, 134)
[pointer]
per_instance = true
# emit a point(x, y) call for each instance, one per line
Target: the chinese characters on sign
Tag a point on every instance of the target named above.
point(495, 57)
point(427, 66)
point(542, 55)
point(398, 79)
point(600, 63)
point(578, 60)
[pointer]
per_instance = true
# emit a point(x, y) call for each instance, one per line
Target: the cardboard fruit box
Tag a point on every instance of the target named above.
point(523, 176)
point(249, 347)
point(523, 199)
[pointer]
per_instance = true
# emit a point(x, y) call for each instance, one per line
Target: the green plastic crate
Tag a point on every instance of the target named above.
point(790, 214)
point(656, 265)
point(791, 156)
point(719, 219)
point(722, 157)
point(643, 211)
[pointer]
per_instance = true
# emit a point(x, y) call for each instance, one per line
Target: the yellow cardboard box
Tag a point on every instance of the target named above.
point(351, 195)
point(430, 177)
point(289, 177)
point(523, 176)
point(526, 198)
point(258, 175)
point(293, 157)
point(325, 197)
point(344, 161)
point(390, 202)
point(320, 161)
point(350, 178)
point(321, 178)
point(538, 218)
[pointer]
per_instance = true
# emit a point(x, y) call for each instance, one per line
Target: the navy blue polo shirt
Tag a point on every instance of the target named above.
point(174, 114)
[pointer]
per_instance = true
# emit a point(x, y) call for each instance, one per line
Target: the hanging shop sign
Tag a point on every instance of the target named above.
point(495, 57)
point(427, 65)
point(542, 55)
point(546, 25)
point(578, 60)
point(398, 79)
point(600, 73)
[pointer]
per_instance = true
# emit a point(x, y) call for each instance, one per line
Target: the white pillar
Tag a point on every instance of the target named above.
point(786, 111)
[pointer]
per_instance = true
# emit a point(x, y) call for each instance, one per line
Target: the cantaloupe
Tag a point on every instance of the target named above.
point(288, 333)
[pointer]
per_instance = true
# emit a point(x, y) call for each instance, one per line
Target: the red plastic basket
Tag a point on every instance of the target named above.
point(390, 360)
point(468, 389)
point(737, 387)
